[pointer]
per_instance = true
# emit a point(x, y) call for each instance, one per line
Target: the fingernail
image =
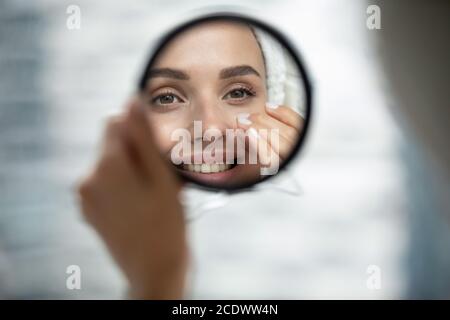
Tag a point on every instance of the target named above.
point(243, 119)
point(271, 105)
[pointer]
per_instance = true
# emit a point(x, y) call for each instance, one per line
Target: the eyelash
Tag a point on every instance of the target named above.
point(248, 90)
point(164, 94)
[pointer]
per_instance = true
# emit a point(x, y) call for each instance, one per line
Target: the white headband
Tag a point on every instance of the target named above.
point(282, 75)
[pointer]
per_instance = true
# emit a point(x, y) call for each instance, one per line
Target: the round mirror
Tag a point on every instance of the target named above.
point(228, 99)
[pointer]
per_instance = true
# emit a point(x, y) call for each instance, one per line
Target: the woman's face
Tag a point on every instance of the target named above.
point(210, 73)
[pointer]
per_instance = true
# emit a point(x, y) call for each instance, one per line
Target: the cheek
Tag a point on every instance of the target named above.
point(162, 128)
point(256, 105)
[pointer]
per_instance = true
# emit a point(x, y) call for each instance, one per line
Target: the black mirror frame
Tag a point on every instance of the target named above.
point(283, 41)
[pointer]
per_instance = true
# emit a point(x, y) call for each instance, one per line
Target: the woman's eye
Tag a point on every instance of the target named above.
point(238, 94)
point(166, 99)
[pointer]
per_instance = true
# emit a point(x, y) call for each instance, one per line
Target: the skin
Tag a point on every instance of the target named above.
point(131, 194)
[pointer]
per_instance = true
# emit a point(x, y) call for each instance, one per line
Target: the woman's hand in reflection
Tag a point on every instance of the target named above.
point(287, 123)
point(130, 198)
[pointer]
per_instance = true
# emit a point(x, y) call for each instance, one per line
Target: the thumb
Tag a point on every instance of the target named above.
point(140, 136)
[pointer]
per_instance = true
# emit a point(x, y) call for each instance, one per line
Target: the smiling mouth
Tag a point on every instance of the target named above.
point(206, 168)
point(216, 174)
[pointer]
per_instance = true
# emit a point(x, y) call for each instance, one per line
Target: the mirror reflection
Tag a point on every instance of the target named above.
point(226, 101)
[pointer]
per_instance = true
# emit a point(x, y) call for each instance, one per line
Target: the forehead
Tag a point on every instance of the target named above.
point(217, 44)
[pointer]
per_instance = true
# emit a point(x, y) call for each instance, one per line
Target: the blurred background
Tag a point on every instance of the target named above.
point(363, 195)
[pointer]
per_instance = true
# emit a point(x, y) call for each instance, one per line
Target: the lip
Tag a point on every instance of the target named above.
point(216, 178)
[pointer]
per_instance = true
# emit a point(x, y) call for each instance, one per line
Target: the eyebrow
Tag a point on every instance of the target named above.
point(237, 71)
point(168, 73)
point(226, 73)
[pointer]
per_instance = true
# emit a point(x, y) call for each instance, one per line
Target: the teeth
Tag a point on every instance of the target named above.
point(207, 168)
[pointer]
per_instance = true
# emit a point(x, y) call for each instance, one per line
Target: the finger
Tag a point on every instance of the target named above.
point(112, 172)
point(273, 137)
point(258, 142)
point(264, 120)
point(114, 159)
point(141, 139)
point(108, 165)
point(268, 156)
point(110, 131)
point(286, 115)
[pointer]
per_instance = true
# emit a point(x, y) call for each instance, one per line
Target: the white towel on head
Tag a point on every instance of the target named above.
point(284, 84)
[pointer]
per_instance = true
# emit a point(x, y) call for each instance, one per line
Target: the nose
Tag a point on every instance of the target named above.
point(211, 115)
point(209, 122)
point(208, 118)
